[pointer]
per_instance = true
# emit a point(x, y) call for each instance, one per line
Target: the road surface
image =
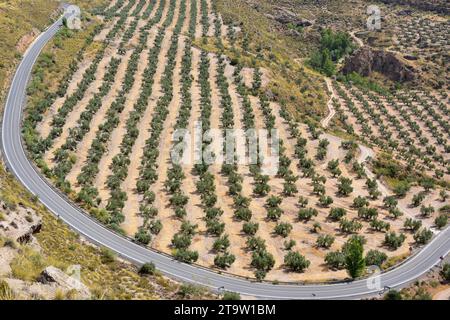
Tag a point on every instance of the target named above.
point(19, 164)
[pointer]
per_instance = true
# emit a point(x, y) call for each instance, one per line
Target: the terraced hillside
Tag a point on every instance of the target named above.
point(105, 137)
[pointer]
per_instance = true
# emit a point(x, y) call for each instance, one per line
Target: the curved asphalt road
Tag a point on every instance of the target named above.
point(19, 164)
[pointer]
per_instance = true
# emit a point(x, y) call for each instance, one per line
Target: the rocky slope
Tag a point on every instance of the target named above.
point(18, 225)
point(365, 61)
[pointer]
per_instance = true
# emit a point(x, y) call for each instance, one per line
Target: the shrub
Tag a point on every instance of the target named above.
point(446, 271)
point(224, 260)
point(190, 291)
point(27, 265)
point(250, 228)
point(337, 213)
point(228, 295)
point(283, 229)
point(335, 260)
point(394, 241)
point(375, 258)
point(148, 268)
point(296, 262)
point(325, 241)
point(422, 294)
point(393, 295)
point(143, 236)
point(316, 227)
point(441, 221)
point(107, 255)
point(307, 213)
point(262, 260)
point(288, 245)
point(423, 236)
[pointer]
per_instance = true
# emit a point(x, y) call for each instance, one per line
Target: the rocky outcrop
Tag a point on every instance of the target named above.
point(287, 17)
point(365, 61)
point(19, 224)
point(54, 284)
point(55, 277)
point(405, 12)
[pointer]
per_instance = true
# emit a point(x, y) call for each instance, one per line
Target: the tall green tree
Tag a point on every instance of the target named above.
point(354, 258)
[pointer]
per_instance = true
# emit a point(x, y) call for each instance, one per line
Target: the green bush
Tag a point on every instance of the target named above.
point(296, 262)
point(393, 295)
point(446, 271)
point(190, 291)
point(375, 258)
point(107, 255)
point(441, 221)
point(228, 295)
point(333, 46)
point(148, 268)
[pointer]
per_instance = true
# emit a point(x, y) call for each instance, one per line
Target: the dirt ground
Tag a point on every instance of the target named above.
point(85, 143)
point(74, 115)
point(131, 209)
point(200, 242)
point(247, 75)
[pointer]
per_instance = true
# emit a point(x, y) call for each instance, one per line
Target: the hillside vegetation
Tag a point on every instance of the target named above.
point(20, 21)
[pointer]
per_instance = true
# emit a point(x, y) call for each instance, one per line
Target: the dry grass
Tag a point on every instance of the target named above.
point(28, 264)
point(56, 58)
point(6, 292)
point(107, 278)
point(18, 18)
